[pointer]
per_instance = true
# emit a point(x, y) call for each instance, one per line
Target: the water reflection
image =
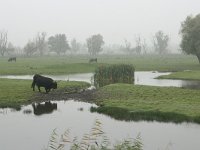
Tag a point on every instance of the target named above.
point(18, 128)
point(191, 84)
point(44, 108)
point(27, 111)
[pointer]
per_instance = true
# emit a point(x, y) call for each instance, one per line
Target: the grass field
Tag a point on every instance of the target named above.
point(134, 102)
point(79, 64)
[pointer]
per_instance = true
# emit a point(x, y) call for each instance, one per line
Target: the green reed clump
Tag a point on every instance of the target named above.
point(118, 73)
point(95, 140)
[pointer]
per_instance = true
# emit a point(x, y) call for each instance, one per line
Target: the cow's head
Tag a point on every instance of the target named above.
point(54, 85)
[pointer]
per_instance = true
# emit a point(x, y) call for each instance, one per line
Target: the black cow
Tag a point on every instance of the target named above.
point(12, 59)
point(93, 60)
point(45, 82)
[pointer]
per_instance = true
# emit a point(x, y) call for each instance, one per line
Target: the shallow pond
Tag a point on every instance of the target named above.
point(141, 78)
point(149, 78)
point(31, 127)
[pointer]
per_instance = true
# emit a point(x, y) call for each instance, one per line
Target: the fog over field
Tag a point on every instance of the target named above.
point(115, 20)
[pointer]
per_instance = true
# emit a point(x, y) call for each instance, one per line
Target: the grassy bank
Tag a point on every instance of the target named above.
point(134, 102)
point(183, 75)
point(80, 64)
point(15, 93)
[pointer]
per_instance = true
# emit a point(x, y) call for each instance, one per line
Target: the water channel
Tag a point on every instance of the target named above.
point(141, 78)
point(31, 127)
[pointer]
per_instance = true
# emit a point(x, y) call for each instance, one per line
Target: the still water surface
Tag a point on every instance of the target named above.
point(30, 128)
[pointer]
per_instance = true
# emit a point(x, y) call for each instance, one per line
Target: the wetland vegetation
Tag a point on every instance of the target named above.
point(149, 102)
point(120, 73)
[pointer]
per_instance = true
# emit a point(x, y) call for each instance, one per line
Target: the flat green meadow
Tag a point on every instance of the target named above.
point(80, 64)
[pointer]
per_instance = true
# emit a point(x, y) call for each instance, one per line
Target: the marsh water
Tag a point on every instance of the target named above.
point(141, 78)
point(31, 127)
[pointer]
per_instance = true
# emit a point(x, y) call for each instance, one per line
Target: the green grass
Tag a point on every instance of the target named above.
point(79, 64)
point(183, 75)
point(45, 65)
point(134, 102)
point(14, 93)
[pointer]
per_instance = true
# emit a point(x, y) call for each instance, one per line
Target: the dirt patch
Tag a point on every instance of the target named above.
point(64, 94)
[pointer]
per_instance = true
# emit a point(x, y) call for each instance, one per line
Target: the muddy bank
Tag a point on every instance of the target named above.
point(87, 95)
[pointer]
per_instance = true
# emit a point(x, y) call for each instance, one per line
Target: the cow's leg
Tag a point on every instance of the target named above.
point(39, 88)
point(33, 85)
point(46, 90)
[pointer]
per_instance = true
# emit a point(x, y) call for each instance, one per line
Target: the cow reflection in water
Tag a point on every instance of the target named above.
point(45, 108)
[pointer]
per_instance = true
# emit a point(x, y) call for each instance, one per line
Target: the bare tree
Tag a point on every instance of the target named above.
point(127, 47)
point(3, 42)
point(160, 42)
point(144, 46)
point(10, 49)
point(41, 43)
point(30, 48)
point(75, 46)
point(138, 47)
point(94, 44)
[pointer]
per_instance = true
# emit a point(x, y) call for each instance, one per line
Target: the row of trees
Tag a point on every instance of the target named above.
point(159, 40)
point(190, 44)
point(58, 44)
point(39, 45)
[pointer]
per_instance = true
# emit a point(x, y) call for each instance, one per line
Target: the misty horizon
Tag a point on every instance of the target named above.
point(115, 20)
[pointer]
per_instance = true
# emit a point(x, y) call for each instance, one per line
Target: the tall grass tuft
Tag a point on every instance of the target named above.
point(118, 73)
point(95, 140)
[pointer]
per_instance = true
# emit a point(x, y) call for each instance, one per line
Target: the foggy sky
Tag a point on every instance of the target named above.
point(116, 20)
